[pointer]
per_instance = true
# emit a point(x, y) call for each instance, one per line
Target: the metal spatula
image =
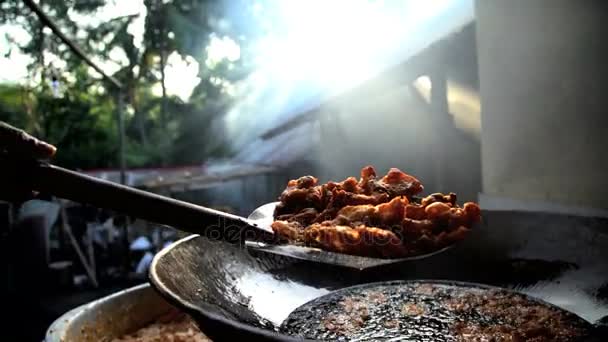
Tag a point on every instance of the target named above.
point(253, 232)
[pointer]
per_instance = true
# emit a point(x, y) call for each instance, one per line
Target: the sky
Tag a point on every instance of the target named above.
point(14, 67)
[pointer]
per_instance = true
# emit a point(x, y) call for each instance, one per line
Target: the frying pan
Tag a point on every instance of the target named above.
point(254, 232)
point(239, 294)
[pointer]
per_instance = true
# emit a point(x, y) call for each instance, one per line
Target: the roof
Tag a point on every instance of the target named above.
point(213, 175)
point(283, 148)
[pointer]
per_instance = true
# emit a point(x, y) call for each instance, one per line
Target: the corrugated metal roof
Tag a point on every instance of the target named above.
point(282, 149)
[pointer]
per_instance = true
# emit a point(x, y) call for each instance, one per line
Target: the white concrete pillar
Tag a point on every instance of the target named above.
point(543, 67)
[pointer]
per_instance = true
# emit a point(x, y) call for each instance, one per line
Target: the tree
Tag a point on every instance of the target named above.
point(160, 128)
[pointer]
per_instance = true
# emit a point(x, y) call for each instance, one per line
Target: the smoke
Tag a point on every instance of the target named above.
point(313, 50)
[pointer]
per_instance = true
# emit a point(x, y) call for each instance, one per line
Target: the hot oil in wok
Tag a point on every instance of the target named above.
point(418, 311)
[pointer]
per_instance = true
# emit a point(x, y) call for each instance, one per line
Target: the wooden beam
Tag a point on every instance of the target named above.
point(83, 259)
point(440, 114)
point(291, 124)
point(205, 181)
point(396, 76)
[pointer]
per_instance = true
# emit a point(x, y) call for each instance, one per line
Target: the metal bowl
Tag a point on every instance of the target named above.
point(110, 317)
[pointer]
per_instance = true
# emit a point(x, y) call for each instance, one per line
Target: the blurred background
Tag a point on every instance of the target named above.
point(222, 102)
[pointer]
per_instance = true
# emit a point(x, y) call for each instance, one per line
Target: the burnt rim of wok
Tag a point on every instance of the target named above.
point(333, 298)
point(197, 312)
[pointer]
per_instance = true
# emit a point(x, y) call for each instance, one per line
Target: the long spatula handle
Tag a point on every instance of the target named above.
point(181, 215)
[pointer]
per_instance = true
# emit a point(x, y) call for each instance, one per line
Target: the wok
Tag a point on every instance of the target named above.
point(240, 294)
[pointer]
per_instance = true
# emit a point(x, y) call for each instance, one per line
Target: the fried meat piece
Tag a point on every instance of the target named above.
point(439, 197)
point(395, 183)
point(385, 214)
point(398, 183)
point(300, 193)
point(305, 217)
point(305, 192)
point(415, 212)
point(288, 231)
point(362, 240)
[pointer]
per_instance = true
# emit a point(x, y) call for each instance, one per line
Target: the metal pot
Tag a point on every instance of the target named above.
point(110, 317)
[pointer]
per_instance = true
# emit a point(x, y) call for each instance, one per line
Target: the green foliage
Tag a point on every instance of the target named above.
point(81, 128)
point(197, 137)
point(11, 106)
point(81, 121)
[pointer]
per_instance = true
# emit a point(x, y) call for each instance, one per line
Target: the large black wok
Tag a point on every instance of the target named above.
point(235, 294)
